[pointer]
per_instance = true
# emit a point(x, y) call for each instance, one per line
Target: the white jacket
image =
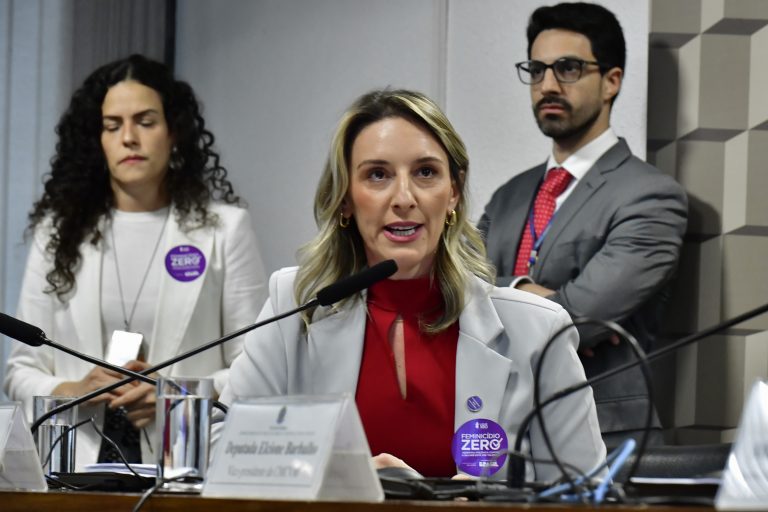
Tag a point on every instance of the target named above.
point(501, 334)
point(188, 314)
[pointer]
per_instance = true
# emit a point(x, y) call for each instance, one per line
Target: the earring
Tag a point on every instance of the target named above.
point(450, 219)
point(176, 161)
point(343, 221)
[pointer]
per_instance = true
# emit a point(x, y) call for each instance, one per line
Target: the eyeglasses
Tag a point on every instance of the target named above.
point(566, 70)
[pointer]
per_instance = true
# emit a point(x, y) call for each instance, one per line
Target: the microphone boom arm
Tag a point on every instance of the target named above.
point(165, 364)
point(99, 362)
point(325, 297)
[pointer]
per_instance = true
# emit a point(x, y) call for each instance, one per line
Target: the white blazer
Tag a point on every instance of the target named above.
point(188, 314)
point(501, 334)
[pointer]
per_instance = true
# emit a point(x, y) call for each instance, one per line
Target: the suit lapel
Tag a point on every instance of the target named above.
point(480, 370)
point(177, 299)
point(85, 304)
point(513, 220)
point(591, 183)
point(336, 349)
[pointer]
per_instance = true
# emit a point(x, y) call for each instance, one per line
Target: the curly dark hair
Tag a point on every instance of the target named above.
point(77, 190)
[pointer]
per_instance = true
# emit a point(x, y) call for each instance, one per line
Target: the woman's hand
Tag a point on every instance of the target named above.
point(138, 398)
point(386, 460)
point(98, 377)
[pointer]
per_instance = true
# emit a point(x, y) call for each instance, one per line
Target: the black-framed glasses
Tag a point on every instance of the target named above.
point(566, 70)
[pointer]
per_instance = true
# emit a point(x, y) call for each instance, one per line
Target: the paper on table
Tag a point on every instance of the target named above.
point(119, 467)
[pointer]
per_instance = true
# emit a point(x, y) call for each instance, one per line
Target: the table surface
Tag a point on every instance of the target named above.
point(66, 501)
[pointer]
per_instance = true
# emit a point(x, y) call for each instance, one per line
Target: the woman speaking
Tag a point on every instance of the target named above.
point(440, 362)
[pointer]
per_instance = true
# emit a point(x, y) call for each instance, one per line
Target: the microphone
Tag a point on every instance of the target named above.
point(357, 282)
point(332, 293)
point(35, 337)
point(516, 471)
point(21, 331)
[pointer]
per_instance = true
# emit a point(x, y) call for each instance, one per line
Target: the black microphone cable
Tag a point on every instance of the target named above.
point(57, 480)
point(645, 368)
point(516, 469)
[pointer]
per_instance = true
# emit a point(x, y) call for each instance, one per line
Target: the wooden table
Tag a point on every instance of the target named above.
point(68, 501)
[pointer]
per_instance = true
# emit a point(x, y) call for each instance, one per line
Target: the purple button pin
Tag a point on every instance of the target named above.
point(474, 403)
point(479, 447)
point(185, 263)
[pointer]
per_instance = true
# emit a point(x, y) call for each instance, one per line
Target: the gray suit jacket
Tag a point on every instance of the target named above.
point(501, 335)
point(610, 250)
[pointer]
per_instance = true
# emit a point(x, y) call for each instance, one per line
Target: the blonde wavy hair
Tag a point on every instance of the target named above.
point(338, 252)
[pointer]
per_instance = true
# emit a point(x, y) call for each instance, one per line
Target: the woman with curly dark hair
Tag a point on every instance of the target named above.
point(139, 242)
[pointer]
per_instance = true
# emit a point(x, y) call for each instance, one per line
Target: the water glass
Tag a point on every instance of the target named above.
point(183, 424)
point(55, 439)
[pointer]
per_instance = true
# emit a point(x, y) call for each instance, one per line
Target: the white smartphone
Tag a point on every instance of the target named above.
point(123, 347)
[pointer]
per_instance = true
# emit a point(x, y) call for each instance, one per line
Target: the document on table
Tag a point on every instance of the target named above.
point(119, 467)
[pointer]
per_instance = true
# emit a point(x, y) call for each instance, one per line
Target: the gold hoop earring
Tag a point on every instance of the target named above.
point(450, 220)
point(343, 221)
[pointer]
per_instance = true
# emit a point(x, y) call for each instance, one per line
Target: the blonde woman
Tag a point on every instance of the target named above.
point(435, 356)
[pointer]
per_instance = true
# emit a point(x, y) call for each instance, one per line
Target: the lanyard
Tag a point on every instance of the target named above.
point(128, 318)
point(537, 240)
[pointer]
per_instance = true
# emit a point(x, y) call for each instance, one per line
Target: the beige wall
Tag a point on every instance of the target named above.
point(708, 127)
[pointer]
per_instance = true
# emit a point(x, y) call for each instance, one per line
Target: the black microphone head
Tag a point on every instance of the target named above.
point(21, 331)
point(350, 285)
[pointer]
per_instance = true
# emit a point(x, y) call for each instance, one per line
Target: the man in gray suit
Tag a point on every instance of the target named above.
point(594, 229)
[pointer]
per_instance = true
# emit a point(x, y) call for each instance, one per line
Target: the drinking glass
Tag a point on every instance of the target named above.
point(183, 424)
point(55, 439)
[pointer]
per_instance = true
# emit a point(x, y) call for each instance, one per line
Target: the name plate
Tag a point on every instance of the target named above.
point(297, 447)
point(745, 479)
point(20, 466)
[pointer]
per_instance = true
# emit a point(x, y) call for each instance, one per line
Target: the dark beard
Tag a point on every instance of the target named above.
point(563, 130)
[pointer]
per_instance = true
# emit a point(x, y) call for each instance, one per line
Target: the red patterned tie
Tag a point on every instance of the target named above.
point(543, 208)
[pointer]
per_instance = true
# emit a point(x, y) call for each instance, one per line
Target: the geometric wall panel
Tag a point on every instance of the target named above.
point(725, 181)
point(663, 92)
point(700, 170)
point(736, 183)
point(744, 9)
point(664, 156)
point(696, 290)
point(708, 127)
point(735, 26)
point(688, 87)
point(758, 78)
point(724, 89)
point(676, 16)
point(757, 178)
point(714, 378)
point(716, 13)
point(745, 277)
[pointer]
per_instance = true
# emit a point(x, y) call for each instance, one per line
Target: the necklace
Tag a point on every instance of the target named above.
point(128, 318)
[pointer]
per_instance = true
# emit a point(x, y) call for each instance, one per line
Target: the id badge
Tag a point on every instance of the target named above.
point(123, 347)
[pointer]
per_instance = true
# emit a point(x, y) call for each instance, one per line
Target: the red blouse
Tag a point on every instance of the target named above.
point(418, 428)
